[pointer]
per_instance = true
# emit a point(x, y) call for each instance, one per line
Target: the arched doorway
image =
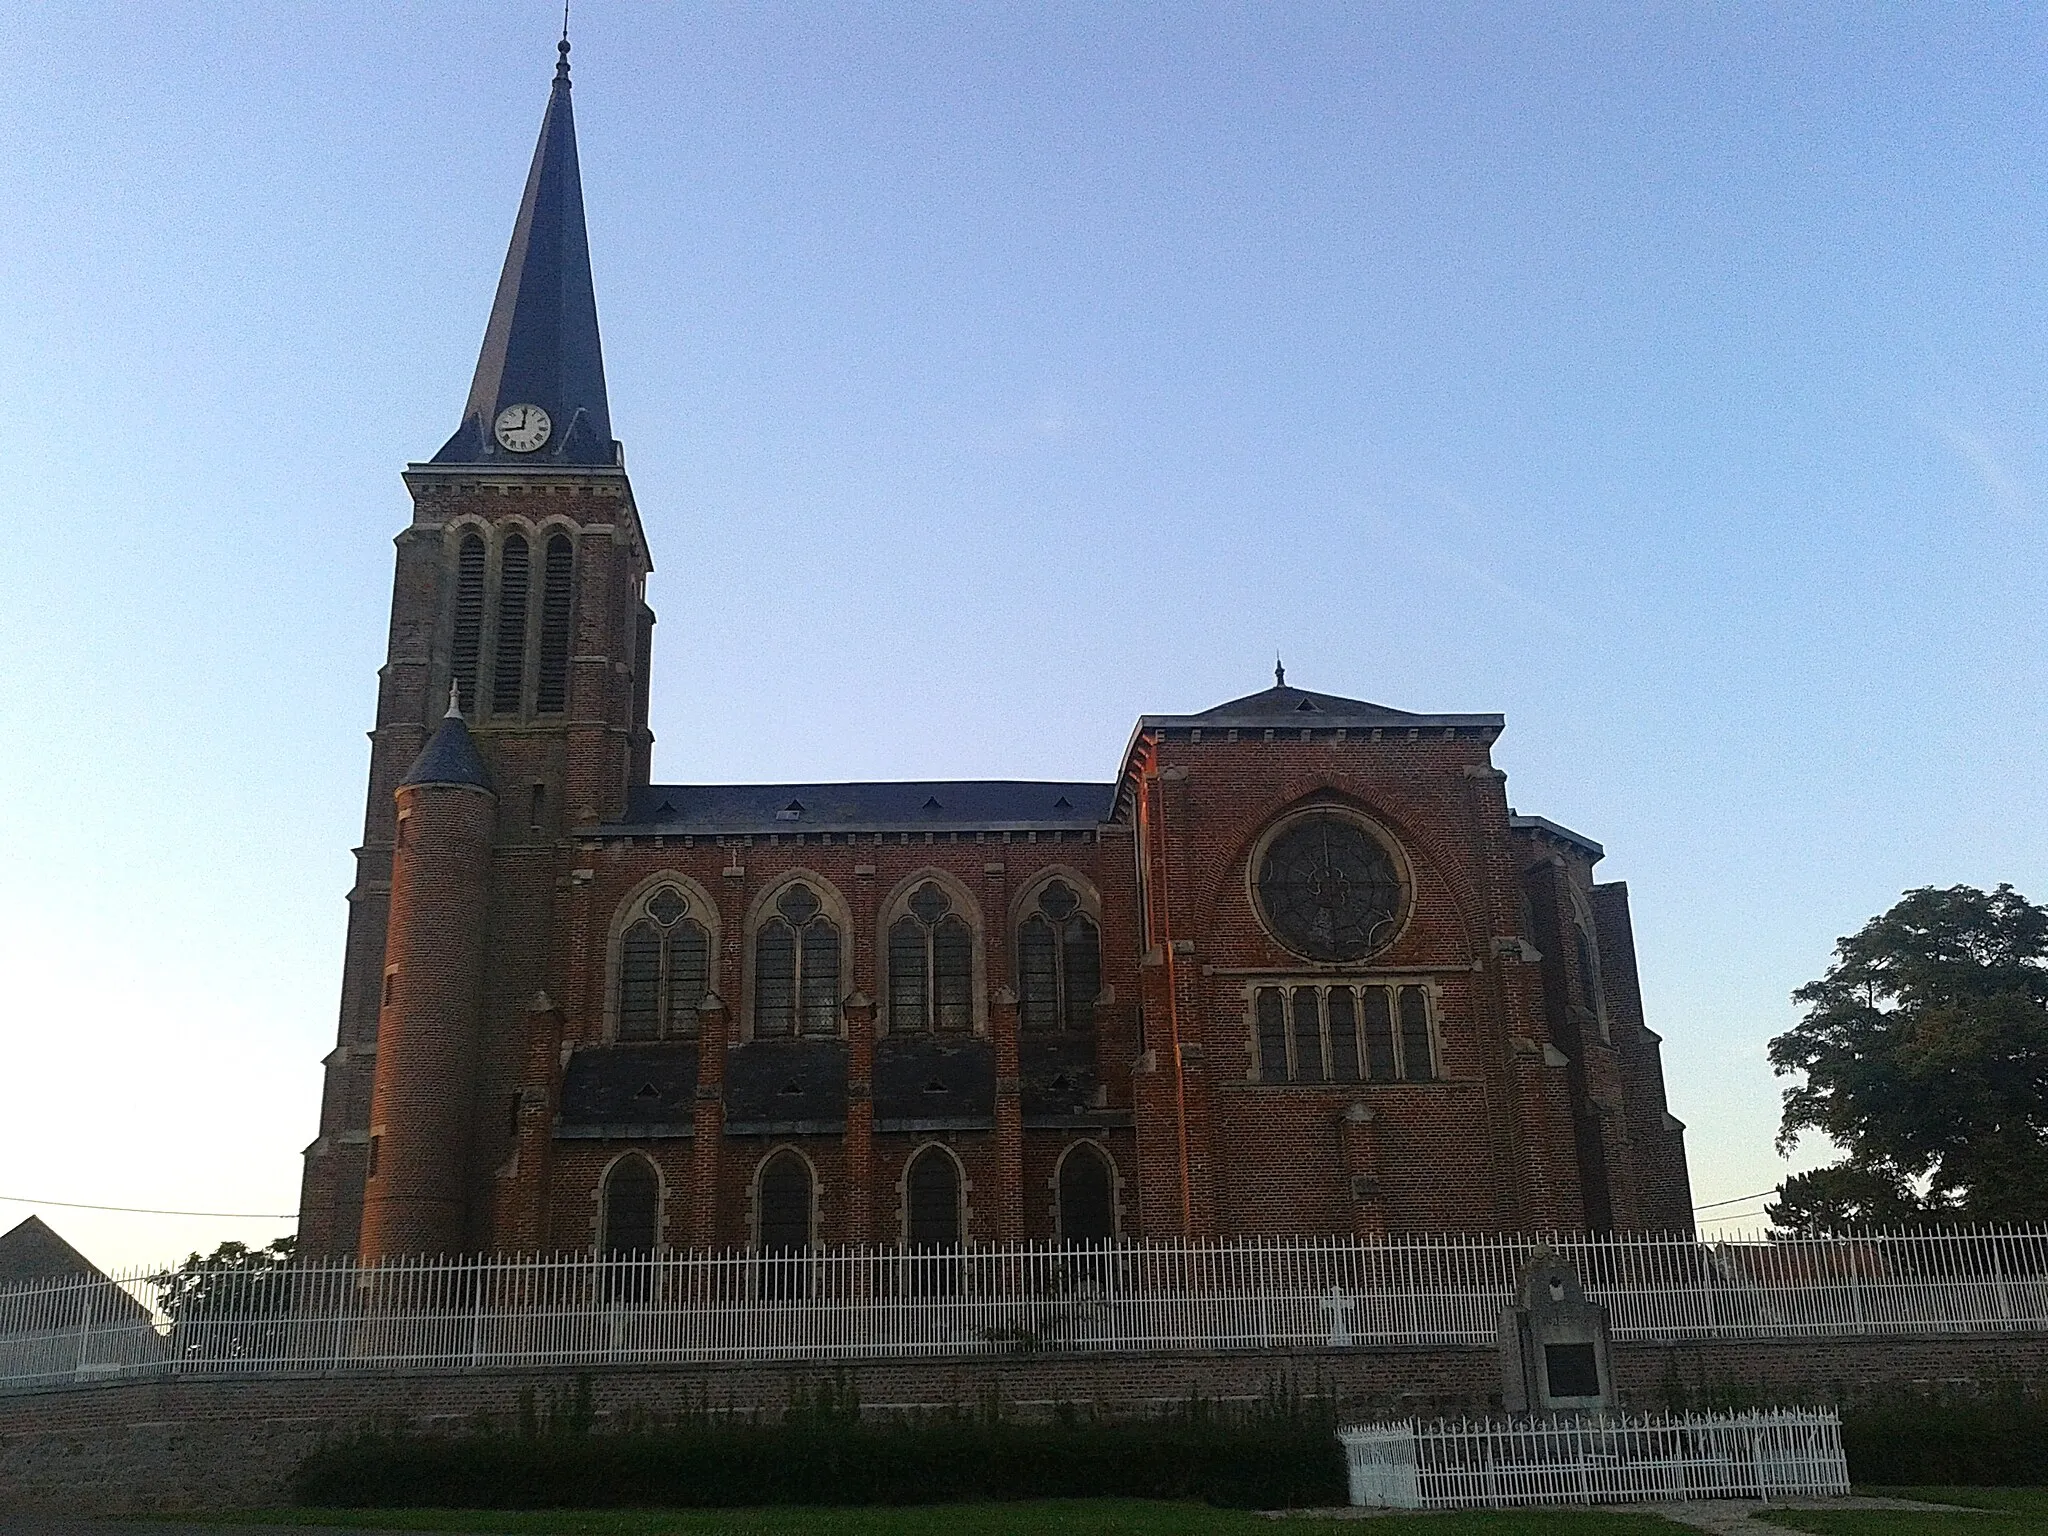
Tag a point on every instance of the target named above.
point(1087, 1195)
point(785, 1204)
point(632, 1206)
point(931, 1198)
point(632, 1223)
point(784, 1232)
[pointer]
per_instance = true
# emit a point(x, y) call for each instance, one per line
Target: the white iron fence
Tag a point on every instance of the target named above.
point(1483, 1464)
point(852, 1304)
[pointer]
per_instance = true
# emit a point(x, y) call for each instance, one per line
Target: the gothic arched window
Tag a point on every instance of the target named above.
point(551, 688)
point(785, 1199)
point(796, 968)
point(931, 1200)
point(1087, 1189)
point(931, 966)
point(469, 617)
point(664, 969)
point(632, 1207)
point(1059, 963)
point(508, 676)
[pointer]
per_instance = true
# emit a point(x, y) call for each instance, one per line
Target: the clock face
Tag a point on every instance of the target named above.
point(1328, 890)
point(523, 428)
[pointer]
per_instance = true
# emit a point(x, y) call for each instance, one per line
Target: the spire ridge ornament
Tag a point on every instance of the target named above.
point(1279, 672)
point(454, 702)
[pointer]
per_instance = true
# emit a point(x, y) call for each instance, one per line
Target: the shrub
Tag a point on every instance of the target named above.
point(1996, 1439)
point(823, 1453)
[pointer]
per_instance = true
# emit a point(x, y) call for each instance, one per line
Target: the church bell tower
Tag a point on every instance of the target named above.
point(511, 711)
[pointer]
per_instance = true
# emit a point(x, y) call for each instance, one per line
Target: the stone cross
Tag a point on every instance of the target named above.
point(1339, 1304)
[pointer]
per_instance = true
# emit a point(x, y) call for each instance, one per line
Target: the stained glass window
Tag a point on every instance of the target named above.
point(1328, 889)
point(1059, 963)
point(796, 968)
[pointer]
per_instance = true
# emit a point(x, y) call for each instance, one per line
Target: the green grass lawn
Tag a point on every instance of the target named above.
point(2006, 1512)
point(1052, 1517)
point(1995, 1512)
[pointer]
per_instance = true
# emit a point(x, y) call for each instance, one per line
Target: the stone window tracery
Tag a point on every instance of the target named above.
point(1328, 888)
point(796, 968)
point(664, 969)
point(1315, 1032)
point(931, 966)
point(1059, 963)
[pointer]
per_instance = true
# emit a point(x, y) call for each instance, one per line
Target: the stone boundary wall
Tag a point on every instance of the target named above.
point(231, 1443)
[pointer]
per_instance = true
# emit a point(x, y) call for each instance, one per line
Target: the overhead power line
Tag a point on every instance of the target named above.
point(146, 1210)
point(1715, 1205)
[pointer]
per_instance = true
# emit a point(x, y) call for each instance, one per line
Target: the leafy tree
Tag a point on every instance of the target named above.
point(234, 1279)
point(1925, 1055)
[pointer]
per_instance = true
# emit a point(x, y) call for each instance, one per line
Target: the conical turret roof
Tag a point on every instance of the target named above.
point(450, 756)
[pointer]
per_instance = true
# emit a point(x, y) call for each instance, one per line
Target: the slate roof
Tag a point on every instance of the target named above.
point(1058, 1078)
point(449, 757)
point(1544, 824)
point(1282, 706)
point(928, 1083)
point(786, 1088)
point(923, 805)
point(31, 1250)
point(619, 1091)
point(541, 344)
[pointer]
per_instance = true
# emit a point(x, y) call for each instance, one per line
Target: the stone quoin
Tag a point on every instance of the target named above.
point(1296, 967)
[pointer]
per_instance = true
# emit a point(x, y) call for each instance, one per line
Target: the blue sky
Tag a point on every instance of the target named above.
point(1669, 378)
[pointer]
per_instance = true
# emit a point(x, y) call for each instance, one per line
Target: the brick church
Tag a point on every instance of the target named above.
point(1294, 967)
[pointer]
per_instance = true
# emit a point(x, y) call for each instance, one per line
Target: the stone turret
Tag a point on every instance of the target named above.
point(415, 1199)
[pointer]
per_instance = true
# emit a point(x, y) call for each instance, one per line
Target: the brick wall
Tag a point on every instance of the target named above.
point(228, 1444)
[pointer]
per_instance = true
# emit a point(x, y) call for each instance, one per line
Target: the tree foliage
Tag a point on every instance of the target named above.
point(1924, 1054)
point(233, 1279)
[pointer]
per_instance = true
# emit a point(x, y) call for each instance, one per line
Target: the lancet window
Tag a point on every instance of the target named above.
point(1059, 963)
point(1087, 1195)
point(796, 968)
point(931, 966)
point(664, 969)
point(931, 1200)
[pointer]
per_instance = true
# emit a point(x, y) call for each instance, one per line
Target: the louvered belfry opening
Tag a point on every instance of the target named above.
point(1059, 964)
point(469, 617)
point(508, 676)
point(551, 690)
point(931, 966)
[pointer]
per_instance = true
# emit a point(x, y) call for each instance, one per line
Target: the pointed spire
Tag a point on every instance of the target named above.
point(541, 346)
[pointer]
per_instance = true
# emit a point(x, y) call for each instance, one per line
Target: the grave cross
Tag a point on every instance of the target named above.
point(1339, 1304)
